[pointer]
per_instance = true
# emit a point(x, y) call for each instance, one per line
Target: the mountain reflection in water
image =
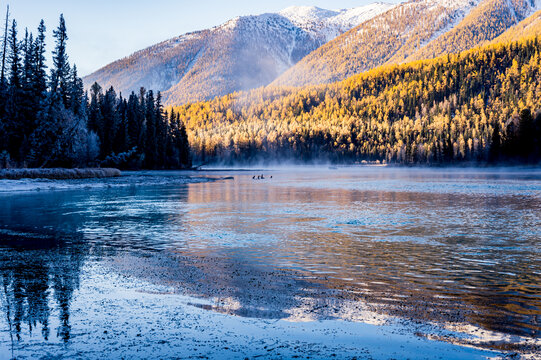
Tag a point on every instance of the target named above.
point(434, 246)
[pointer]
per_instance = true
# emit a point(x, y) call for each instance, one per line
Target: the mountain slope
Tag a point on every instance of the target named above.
point(487, 21)
point(527, 28)
point(461, 107)
point(243, 53)
point(395, 34)
point(418, 29)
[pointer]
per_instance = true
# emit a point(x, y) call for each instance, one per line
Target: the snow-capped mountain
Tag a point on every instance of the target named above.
point(244, 53)
point(331, 23)
point(417, 29)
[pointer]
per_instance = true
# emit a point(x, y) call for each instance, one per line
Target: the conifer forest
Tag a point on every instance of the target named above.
point(47, 119)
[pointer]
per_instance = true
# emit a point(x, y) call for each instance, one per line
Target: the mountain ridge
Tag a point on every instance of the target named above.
point(240, 54)
point(307, 45)
point(414, 30)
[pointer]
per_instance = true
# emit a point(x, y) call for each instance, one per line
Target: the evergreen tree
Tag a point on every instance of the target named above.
point(4, 155)
point(40, 71)
point(76, 96)
point(4, 50)
point(150, 121)
point(95, 120)
point(15, 127)
point(14, 57)
point(28, 103)
point(110, 122)
point(133, 122)
point(183, 145)
point(52, 122)
point(526, 133)
point(162, 130)
point(61, 69)
point(495, 144)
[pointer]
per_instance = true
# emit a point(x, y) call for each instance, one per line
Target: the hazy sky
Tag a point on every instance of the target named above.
point(102, 31)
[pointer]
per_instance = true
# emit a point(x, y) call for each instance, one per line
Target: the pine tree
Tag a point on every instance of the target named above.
point(14, 58)
point(495, 144)
point(52, 122)
point(28, 103)
point(40, 74)
point(110, 122)
point(4, 50)
point(95, 120)
point(161, 132)
point(76, 94)
point(15, 126)
point(61, 69)
point(150, 121)
point(526, 134)
point(4, 155)
point(183, 145)
point(133, 123)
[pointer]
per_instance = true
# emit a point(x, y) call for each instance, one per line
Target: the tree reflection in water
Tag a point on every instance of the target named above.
point(38, 275)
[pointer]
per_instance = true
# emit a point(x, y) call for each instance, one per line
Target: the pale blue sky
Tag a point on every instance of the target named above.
point(102, 31)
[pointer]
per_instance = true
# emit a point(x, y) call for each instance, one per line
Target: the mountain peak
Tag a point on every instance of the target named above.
point(240, 54)
point(306, 13)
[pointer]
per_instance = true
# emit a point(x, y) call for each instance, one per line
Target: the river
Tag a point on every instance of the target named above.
point(352, 262)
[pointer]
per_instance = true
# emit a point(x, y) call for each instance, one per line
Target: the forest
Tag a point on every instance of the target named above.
point(47, 119)
point(478, 106)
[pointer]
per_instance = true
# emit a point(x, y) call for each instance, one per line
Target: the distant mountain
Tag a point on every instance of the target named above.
point(244, 53)
point(417, 29)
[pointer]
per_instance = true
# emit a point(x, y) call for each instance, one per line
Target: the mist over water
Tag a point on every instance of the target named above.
point(458, 248)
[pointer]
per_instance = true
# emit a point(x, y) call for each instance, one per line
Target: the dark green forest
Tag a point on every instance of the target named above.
point(48, 120)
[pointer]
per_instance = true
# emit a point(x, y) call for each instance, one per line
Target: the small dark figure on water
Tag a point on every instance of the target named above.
point(260, 177)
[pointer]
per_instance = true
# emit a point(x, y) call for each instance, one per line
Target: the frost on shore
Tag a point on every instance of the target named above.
point(58, 174)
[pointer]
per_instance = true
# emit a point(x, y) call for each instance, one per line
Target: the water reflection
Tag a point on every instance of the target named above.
point(468, 254)
point(436, 247)
point(46, 238)
point(39, 276)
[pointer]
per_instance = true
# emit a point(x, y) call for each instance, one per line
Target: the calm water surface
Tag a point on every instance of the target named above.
point(456, 249)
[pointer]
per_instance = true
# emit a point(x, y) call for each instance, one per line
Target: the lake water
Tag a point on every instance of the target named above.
point(367, 262)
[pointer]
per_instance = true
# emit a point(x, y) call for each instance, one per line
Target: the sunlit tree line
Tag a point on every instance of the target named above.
point(480, 105)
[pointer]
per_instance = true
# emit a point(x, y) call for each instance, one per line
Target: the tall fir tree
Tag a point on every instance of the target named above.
point(40, 72)
point(61, 68)
point(150, 121)
point(15, 128)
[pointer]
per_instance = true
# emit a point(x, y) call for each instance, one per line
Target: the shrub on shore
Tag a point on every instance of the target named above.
point(58, 174)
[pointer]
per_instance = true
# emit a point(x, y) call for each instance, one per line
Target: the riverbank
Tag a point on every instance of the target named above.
point(108, 178)
point(58, 174)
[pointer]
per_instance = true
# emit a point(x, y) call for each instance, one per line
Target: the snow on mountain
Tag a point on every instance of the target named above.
point(331, 23)
point(413, 30)
point(391, 36)
point(243, 53)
